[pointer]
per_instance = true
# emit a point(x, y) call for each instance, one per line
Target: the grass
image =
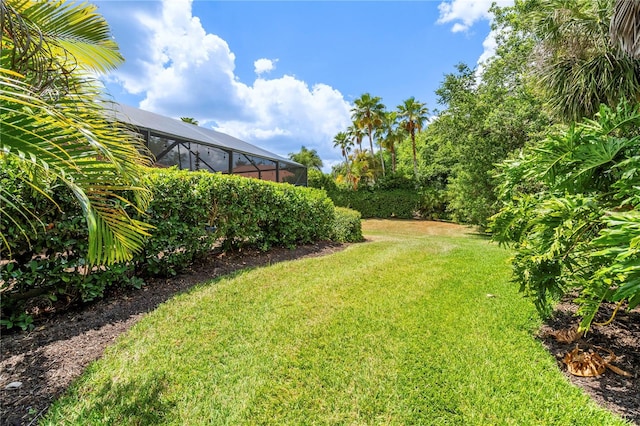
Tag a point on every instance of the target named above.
point(418, 326)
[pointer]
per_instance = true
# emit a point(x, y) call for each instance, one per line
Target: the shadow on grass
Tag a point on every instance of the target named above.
point(47, 359)
point(139, 403)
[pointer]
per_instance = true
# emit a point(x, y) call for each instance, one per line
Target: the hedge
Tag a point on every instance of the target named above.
point(379, 203)
point(193, 213)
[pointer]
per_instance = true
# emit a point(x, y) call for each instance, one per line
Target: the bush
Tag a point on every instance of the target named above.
point(576, 225)
point(433, 204)
point(382, 204)
point(192, 213)
point(347, 227)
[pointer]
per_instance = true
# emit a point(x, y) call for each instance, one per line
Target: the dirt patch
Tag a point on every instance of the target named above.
point(46, 360)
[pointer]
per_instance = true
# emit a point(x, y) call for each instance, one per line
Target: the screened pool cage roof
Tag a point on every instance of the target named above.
point(188, 146)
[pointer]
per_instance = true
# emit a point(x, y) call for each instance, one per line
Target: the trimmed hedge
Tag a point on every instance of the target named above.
point(192, 212)
point(379, 203)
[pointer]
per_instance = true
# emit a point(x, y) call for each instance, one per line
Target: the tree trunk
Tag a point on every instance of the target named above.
point(393, 159)
point(415, 156)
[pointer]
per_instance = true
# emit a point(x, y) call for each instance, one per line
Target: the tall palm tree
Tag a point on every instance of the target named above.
point(412, 115)
point(367, 114)
point(391, 135)
point(55, 125)
point(356, 134)
point(342, 141)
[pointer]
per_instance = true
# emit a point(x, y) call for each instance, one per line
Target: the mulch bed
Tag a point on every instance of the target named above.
point(47, 359)
point(615, 392)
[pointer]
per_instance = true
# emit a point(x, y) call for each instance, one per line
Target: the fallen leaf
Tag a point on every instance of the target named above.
point(590, 364)
point(569, 335)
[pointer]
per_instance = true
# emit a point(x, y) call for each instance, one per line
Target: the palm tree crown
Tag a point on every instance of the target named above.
point(356, 134)
point(367, 114)
point(624, 28)
point(307, 157)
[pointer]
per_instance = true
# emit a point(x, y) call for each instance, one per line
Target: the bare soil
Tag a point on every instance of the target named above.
point(47, 359)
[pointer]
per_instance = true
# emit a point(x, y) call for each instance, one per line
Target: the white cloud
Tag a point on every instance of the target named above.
point(490, 45)
point(185, 71)
point(288, 103)
point(465, 13)
point(458, 28)
point(468, 12)
point(264, 65)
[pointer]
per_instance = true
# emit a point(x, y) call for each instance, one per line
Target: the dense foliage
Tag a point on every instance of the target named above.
point(192, 214)
point(347, 226)
point(54, 125)
point(572, 213)
point(570, 199)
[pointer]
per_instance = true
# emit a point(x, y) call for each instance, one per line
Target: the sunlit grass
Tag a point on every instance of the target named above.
point(414, 327)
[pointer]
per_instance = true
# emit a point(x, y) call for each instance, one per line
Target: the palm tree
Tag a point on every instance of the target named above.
point(367, 114)
point(307, 157)
point(356, 134)
point(413, 115)
point(391, 135)
point(342, 141)
point(624, 28)
point(55, 125)
point(576, 61)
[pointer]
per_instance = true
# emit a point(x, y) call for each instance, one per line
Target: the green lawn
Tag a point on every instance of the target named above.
point(418, 326)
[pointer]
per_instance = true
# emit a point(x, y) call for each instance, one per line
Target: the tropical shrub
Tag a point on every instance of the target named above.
point(571, 212)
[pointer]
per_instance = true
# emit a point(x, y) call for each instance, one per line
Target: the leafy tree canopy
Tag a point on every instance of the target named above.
point(307, 157)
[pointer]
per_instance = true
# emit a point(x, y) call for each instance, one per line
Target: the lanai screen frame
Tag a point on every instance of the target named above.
point(163, 135)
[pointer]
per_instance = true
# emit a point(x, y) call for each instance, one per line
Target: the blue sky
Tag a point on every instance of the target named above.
point(285, 74)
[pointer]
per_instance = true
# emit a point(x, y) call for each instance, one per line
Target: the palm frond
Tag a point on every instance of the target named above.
point(95, 158)
point(624, 28)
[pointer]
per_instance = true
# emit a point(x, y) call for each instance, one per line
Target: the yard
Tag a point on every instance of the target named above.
point(417, 326)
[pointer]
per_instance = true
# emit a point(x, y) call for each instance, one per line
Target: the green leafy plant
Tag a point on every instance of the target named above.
point(347, 227)
point(571, 212)
point(21, 319)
